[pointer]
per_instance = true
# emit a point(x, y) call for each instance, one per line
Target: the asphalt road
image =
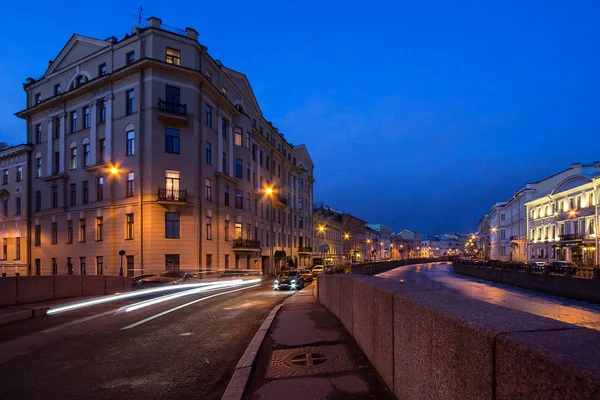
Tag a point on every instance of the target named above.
point(440, 276)
point(87, 354)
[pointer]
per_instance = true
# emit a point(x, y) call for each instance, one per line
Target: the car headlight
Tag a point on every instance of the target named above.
point(276, 282)
point(293, 282)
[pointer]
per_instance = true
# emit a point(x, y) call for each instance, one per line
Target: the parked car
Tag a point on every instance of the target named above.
point(306, 275)
point(168, 277)
point(317, 270)
point(540, 263)
point(140, 277)
point(560, 267)
point(289, 280)
point(330, 269)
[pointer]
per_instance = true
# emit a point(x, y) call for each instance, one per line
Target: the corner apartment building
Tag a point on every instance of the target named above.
point(328, 234)
point(149, 145)
point(508, 219)
point(383, 247)
point(14, 166)
point(562, 225)
point(406, 244)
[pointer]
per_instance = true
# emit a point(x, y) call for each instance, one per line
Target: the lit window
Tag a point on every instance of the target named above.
point(238, 136)
point(129, 226)
point(130, 184)
point(173, 56)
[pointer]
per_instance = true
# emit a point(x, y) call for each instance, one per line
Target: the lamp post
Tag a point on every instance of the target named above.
point(121, 253)
point(269, 192)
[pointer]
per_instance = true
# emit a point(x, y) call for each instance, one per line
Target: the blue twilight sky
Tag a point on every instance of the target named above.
point(418, 115)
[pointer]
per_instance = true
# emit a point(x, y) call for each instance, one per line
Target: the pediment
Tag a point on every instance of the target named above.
point(303, 153)
point(77, 48)
point(241, 82)
point(570, 183)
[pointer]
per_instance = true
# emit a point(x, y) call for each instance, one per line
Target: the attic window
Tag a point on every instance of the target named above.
point(224, 91)
point(80, 80)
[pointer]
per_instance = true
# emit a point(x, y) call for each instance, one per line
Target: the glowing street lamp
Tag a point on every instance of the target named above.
point(114, 170)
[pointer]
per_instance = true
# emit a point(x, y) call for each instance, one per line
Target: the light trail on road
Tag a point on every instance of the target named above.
point(184, 305)
point(137, 293)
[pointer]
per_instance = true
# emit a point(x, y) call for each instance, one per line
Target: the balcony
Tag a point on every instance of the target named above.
point(305, 250)
point(171, 196)
point(172, 113)
point(246, 245)
point(280, 201)
point(571, 237)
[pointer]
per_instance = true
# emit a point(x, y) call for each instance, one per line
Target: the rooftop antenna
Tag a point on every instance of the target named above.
point(139, 14)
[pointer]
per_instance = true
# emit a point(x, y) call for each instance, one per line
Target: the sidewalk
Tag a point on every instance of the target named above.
point(308, 354)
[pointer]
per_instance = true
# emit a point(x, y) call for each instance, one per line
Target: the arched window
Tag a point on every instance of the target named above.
point(38, 165)
point(130, 140)
point(72, 155)
point(78, 81)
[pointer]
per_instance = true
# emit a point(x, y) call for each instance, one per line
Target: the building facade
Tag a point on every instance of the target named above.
point(14, 164)
point(384, 244)
point(562, 225)
point(150, 146)
point(406, 244)
point(328, 234)
point(508, 220)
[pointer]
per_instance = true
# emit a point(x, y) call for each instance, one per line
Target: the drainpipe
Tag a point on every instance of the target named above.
point(141, 153)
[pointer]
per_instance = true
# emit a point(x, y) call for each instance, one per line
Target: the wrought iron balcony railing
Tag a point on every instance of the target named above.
point(172, 108)
point(172, 195)
point(246, 244)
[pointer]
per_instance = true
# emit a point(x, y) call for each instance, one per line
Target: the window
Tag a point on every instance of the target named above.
point(248, 140)
point(17, 248)
point(38, 235)
point(38, 98)
point(504, 251)
point(239, 172)
point(5, 177)
point(248, 170)
point(102, 69)
point(5, 207)
point(85, 192)
point(38, 167)
point(5, 249)
point(38, 200)
point(226, 196)
point(101, 112)
point(99, 229)
point(130, 105)
point(99, 188)
point(130, 144)
point(226, 261)
point(591, 199)
point(38, 134)
point(301, 204)
point(18, 206)
point(19, 176)
point(69, 265)
point(82, 230)
point(130, 265)
point(224, 128)
point(130, 184)
point(172, 140)
point(54, 236)
point(56, 128)
point(208, 119)
point(73, 121)
point(57, 89)
point(86, 155)
point(173, 101)
point(172, 184)
point(591, 227)
point(209, 75)
point(238, 231)
point(238, 136)
point(209, 261)
point(224, 91)
point(129, 226)
point(208, 153)
point(99, 265)
point(227, 230)
point(239, 200)
point(172, 225)
point(73, 157)
point(101, 150)
point(300, 184)
point(172, 262)
point(173, 56)
point(224, 162)
point(208, 228)
point(260, 157)
point(129, 57)
point(300, 222)
point(69, 232)
point(73, 194)
point(502, 217)
point(86, 117)
point(208, 189)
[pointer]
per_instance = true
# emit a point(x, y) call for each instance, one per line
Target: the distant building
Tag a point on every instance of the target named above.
point(406, 244)
point(328, 237)
point(508, 222)
point(383, 246)
point(14, 198)
point(562, 224)
point(483, 237)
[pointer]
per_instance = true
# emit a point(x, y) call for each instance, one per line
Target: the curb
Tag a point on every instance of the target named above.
point(241, 376)
point(21, 315)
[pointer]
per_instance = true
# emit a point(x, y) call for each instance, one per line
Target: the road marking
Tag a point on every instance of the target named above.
point(77, 321)
point(182, 306)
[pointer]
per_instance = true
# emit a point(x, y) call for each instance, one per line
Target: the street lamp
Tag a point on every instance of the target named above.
point(269, 192)
point(121, 253)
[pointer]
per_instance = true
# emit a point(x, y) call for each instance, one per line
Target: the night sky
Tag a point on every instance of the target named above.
point(417, 116)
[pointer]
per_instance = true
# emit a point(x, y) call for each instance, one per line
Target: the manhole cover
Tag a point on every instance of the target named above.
point(305, 361)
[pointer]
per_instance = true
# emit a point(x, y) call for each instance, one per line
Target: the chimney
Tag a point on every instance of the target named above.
point(154, 22)
point(191, 33)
